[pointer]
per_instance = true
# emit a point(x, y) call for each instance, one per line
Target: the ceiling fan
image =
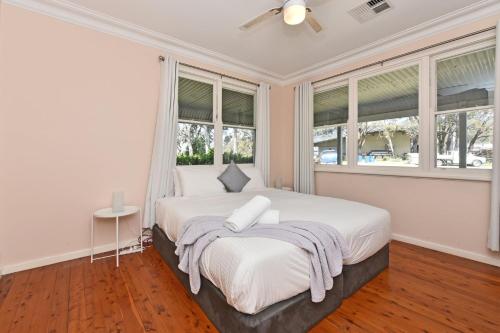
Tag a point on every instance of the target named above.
point(294, 12)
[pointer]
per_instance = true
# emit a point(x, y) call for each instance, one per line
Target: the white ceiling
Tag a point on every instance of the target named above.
point(272, 46)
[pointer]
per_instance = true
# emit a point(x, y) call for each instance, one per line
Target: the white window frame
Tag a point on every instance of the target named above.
point(458, 172)
point(218, 82)
point(427, 98)
point(245, 88)
point(387, 69)
point(331, 86)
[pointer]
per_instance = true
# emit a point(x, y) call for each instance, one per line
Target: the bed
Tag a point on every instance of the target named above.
point(261, 285)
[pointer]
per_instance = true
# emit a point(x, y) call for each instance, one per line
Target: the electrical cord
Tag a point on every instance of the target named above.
point(147, 238)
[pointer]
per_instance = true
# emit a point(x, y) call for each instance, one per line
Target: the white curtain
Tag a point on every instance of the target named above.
point(262, 140)
point(494, 232)
point(303, 139)
point(161, 180)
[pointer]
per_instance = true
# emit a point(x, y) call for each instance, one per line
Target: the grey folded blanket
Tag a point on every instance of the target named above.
point(324, 244)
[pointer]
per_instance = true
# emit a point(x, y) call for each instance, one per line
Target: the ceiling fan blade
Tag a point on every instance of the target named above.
point(260, 18)
point(312, 21)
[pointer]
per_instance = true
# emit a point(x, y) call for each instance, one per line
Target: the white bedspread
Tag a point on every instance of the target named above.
point(254, 273)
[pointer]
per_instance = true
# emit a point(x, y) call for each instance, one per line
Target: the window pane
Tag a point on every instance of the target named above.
point(195, 144)
point(327, 148)
point(195, 100)
point(466, 81)
point(238, 145)
point(388, 119)
point(331, 107)
point(237, 108)
point(475, 128)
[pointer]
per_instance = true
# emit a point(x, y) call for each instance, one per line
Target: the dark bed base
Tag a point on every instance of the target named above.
point(296, 314)
point(357, 275)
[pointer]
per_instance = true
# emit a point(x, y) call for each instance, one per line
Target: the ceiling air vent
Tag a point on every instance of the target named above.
point(369, 10)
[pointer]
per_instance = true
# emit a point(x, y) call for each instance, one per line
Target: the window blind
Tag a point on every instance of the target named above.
point(466, 81)
point(331, 107)
point(237, 108)
point(195, 100)
point(389, 95)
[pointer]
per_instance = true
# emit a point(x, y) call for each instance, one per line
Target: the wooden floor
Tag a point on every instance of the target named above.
point(422, 291)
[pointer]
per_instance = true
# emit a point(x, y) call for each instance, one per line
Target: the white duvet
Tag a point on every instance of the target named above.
point(254, 273)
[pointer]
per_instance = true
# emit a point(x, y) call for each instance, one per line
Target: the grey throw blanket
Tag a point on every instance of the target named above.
point(325, 246)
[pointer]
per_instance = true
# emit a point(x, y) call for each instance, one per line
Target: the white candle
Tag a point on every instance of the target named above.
point(117, 202)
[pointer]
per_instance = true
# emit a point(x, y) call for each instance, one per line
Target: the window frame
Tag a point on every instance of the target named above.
point(218, 83)
point(426, 60)
point(433, 112)
point(245, 88)
point(388, 69)
point(332, 86)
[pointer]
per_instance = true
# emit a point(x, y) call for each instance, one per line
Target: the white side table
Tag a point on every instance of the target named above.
point(108, 213)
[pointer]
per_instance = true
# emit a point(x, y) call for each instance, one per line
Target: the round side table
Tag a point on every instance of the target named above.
point(106, 213)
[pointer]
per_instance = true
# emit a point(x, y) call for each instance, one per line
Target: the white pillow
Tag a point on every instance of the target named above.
point(197, 180)
point(177, 184)
point(256, 182)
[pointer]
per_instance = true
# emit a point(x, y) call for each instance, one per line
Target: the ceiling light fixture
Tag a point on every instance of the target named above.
point(294, 11)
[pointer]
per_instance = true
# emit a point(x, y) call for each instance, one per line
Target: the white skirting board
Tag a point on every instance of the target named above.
point(111, 246)
point(491, 260)
point(63, 257)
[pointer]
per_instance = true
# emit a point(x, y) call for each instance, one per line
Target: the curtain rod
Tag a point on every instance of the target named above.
point(408, 53)
point(162, 58)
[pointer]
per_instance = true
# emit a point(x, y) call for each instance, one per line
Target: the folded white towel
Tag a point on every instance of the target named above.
point(248, 214)
point(270, 216)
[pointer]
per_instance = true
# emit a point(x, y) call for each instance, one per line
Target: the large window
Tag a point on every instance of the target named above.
point(216, 121)
point(464, 114)
point(239, 126)
point(428, 114)
point(330, 126)
point(388, 124)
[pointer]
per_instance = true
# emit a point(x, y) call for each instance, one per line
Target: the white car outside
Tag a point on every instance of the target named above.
point(454, 158)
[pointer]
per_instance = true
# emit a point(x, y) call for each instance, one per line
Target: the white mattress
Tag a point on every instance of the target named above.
point(254, 273)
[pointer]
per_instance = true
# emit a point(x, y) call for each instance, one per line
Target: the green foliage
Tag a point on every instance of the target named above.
point(194, 140)
point(199, 158)
point(237, 158)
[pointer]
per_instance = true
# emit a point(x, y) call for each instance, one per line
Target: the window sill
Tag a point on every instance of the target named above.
point(473, 175)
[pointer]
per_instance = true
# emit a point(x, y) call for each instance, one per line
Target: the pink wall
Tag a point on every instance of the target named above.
point(451, 214)
point(78, 110)
point(2, 150)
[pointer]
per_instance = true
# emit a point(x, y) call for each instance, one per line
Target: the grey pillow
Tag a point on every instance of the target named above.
point(233, 178)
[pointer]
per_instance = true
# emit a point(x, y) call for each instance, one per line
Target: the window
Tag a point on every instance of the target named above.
point(330, 126)
point(464, 114)
point(388, 124)
point(195, 129)
point(429, 114)
point(239, 126)
point(216, 120)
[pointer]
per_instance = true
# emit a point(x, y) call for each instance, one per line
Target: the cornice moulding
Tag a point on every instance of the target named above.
point(82, 16)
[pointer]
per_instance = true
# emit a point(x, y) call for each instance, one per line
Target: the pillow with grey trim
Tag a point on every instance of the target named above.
point(233, 178)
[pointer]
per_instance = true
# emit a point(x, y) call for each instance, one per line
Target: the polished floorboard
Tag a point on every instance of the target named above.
point(421, 291)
